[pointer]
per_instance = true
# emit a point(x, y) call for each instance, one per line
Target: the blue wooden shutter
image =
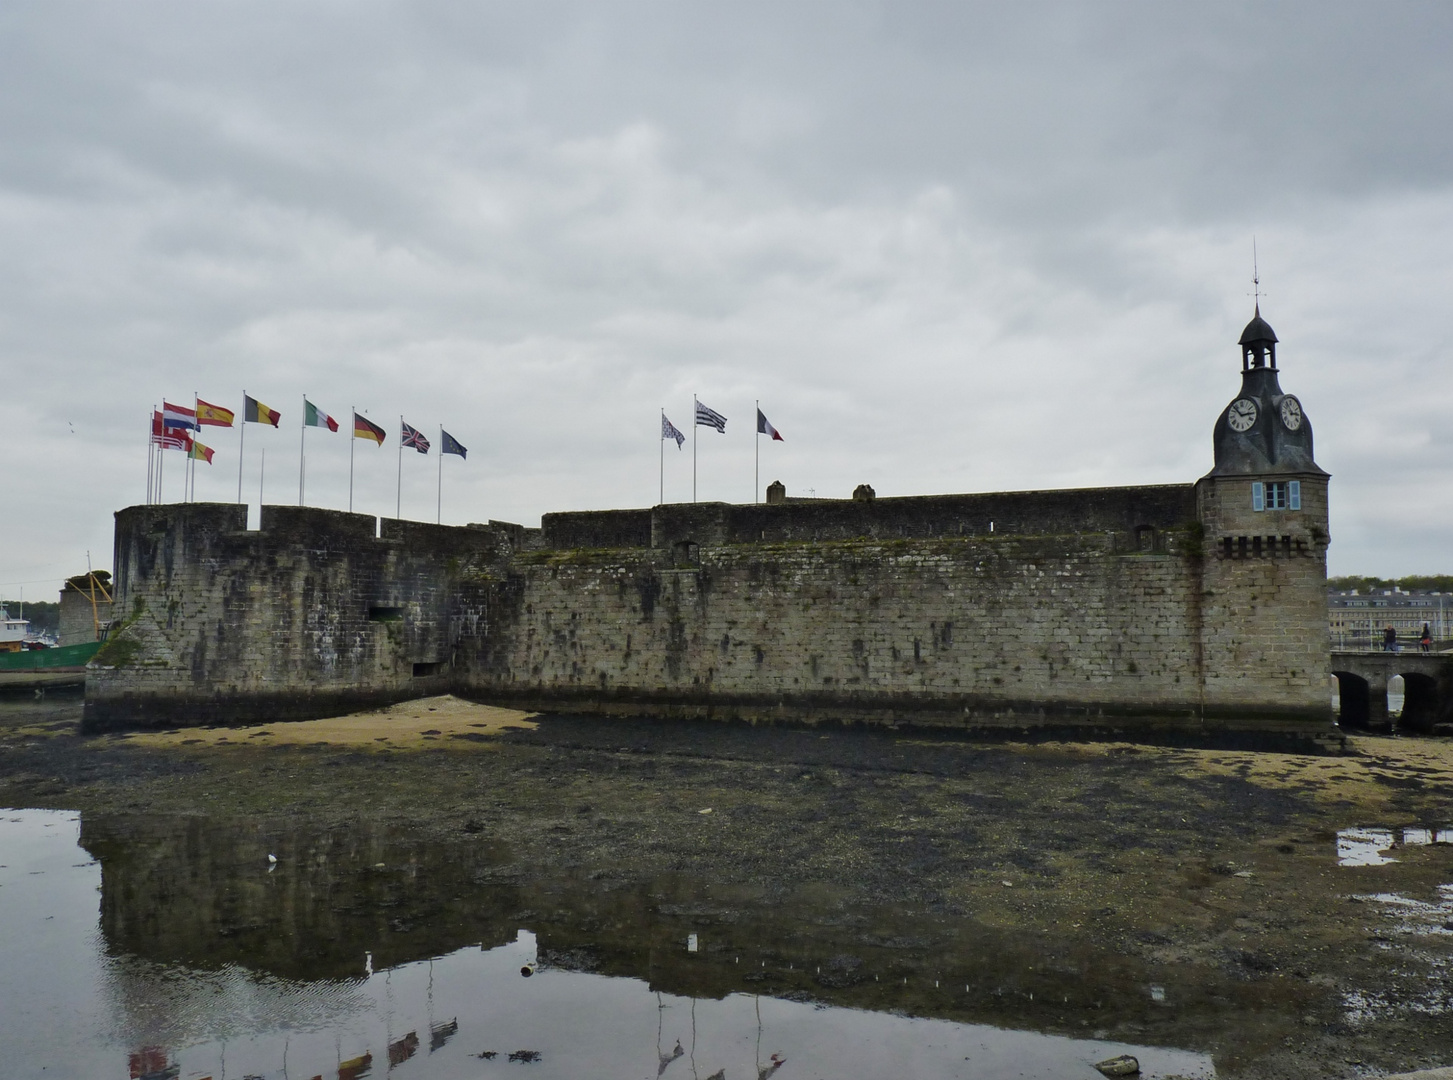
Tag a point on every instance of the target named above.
point(1294, 495)
point(1258, 495)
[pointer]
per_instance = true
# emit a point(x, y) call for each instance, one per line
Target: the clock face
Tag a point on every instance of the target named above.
point(1291, 413)
point(1242, 414)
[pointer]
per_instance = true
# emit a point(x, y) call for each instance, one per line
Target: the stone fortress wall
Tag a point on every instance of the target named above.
point(1191, 608)
point(1111, 607)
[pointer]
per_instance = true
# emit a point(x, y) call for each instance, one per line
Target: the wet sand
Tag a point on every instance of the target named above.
point(1211, 872)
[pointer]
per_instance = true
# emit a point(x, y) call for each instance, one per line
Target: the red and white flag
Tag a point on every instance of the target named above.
point(165, 437)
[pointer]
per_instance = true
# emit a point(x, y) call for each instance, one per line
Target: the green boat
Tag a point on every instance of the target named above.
point(63, 666)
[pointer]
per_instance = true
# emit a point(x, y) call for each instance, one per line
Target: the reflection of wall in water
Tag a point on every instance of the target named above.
point(198, 892)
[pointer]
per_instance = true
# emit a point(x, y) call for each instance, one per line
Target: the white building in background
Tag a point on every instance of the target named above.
point(1357, 619)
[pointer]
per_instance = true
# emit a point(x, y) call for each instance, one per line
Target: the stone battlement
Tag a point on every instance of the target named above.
point(1125, 510)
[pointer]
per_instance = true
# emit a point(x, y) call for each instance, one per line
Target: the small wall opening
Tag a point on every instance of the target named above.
point(1355, 698)
point(688, 553)
point(382, 613)
point(426, 668)
point(1145, 538)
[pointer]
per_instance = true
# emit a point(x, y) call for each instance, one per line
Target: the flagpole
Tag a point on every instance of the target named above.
point(261, 472)
point(352, 438)
point(399, 490)
point(241, 441)
point(191, 462)
point(694, 428)
point(302, 449)
point(439, 506)
point(661, 438)
point(757, 466)
point(150, 453)
point(160, 462)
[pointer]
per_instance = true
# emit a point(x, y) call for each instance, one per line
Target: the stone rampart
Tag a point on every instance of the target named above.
point(966, 631)
point(316, 612)
point(1100, 607)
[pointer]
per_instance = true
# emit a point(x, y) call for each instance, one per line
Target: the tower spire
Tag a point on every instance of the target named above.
point(1255, 277)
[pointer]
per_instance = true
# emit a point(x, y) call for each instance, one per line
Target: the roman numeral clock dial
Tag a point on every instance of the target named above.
point(1291, 413)
point(1242, 414)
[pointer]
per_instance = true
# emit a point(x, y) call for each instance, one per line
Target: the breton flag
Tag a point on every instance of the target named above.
point(213, 415)
point(178, 416)
point(668, 431)
point(364, 429)
point(451, 445)
point(255, 412)
point(200, 452)
point(316, 417)
point(412, 436)
point(710, 418)
point(166, 438)
point(764, 427)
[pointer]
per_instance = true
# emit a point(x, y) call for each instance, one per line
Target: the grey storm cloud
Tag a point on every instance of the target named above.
point(950, 247)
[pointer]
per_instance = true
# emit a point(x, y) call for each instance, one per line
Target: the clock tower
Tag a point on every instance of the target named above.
point(1263, 430)
point(1263, 509)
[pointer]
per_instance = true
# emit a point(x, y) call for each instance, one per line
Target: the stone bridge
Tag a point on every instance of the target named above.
point(1362, 679)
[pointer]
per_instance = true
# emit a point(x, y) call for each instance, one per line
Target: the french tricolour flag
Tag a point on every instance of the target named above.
point(178, 416)
point(764, 427)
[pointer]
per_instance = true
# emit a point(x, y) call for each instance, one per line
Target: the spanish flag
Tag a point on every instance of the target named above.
point(200, 452)
point(363, 429)
point(215, 415)
point(255, 412)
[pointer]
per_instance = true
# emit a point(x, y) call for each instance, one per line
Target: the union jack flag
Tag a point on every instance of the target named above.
point(415, 438)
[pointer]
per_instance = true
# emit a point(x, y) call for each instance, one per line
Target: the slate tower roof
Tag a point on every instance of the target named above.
point(1263, 431)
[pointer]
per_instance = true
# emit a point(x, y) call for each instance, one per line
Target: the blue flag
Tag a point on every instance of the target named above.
point(451, 444)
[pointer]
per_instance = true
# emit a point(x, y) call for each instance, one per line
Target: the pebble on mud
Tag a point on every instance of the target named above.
point(1124, 1065)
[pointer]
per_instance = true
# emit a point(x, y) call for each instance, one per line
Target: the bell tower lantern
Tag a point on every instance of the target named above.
point(1258, 343)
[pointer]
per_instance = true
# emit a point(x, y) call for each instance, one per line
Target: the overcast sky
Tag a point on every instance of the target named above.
point(950, 247)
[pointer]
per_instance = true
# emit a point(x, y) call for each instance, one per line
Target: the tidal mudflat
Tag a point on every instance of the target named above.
point(851, 902)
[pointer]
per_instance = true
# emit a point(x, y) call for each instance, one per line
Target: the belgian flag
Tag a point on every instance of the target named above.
point(364, 429)
point(255, 412)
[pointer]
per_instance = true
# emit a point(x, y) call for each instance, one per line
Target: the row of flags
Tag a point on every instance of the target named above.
point(178, 427)
point(172, 426)
point(706, 416)
point(709, 417)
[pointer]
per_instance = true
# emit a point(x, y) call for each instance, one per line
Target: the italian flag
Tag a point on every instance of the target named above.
point(316, 417)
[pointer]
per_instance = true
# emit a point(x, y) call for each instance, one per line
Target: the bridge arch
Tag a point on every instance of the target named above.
point(1355, 695)
point(1420, 701)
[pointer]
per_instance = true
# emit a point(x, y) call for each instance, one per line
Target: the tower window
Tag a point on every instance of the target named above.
point(1276, 495)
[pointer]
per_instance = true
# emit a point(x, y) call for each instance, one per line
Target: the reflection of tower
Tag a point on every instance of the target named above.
point(1263, 508)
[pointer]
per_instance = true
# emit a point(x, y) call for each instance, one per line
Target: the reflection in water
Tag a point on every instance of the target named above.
point(210, 966)
point(1365, 847)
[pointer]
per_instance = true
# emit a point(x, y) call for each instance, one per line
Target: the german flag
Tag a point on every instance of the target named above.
point(363, 429)
point(255, 412)
point(215, 415)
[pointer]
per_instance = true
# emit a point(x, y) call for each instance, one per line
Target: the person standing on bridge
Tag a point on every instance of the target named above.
point(1389, 640)
point(1426, 640)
